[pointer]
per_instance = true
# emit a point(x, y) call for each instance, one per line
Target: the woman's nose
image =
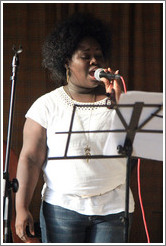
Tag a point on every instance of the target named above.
point(93, 61)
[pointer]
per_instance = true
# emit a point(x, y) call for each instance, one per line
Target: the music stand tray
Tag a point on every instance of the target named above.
point(146, 137)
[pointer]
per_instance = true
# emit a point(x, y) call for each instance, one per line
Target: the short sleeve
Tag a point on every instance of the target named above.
point(39, 112)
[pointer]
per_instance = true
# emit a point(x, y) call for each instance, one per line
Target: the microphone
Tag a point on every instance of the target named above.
point(99, 73)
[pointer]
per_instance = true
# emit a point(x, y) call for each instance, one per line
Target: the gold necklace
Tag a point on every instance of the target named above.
point(87, 149)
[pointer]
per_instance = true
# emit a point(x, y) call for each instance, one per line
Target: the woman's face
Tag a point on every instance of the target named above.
point(86, 59)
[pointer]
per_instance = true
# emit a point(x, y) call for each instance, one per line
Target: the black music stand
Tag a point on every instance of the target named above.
point(134, 113)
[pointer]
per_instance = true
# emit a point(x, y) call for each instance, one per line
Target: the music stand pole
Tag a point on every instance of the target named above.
point(127, 151)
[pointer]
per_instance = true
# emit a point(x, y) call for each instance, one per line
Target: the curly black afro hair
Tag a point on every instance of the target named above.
point(63, 41)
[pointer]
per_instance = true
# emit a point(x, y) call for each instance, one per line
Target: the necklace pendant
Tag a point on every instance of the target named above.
point(87, 152)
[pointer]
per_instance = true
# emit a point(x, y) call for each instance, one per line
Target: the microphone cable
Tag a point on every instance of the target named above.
point(138, 181)
point(140, 201)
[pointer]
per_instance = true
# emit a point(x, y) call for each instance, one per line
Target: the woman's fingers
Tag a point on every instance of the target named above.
point(112, 84)
point(23, 220)
point(108, 85)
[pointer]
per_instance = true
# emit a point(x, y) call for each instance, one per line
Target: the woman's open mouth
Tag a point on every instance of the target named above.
point(91, 73)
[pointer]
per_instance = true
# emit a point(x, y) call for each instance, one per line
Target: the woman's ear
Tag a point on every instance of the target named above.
point(67, 71)
point(67, 64)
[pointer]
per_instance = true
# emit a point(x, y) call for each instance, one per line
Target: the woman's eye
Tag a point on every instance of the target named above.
point(85, 57)
point(100, 56)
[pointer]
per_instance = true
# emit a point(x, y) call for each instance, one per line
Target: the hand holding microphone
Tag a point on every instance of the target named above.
point(110, 81)
point(102, 73)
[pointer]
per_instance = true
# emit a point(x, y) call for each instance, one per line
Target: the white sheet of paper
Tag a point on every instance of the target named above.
point(145, 145)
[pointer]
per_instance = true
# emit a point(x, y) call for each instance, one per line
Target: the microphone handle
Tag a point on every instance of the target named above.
point(109, 75)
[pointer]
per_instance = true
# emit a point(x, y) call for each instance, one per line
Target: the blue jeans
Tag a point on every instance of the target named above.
point(60, 225)
point(43, 226)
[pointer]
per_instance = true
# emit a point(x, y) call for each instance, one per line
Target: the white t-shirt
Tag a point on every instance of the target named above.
point(93, 187)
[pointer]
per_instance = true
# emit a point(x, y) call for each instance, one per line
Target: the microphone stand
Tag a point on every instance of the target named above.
point(8, 185)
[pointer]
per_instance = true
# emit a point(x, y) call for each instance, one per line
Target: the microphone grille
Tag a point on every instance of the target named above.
point(97, 73)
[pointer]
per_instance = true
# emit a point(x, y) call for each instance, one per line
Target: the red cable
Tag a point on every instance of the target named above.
point(124, 85)
point(139, 183)
point(140, 200)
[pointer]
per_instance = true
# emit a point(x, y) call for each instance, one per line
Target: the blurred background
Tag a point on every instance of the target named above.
point(137, 51)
